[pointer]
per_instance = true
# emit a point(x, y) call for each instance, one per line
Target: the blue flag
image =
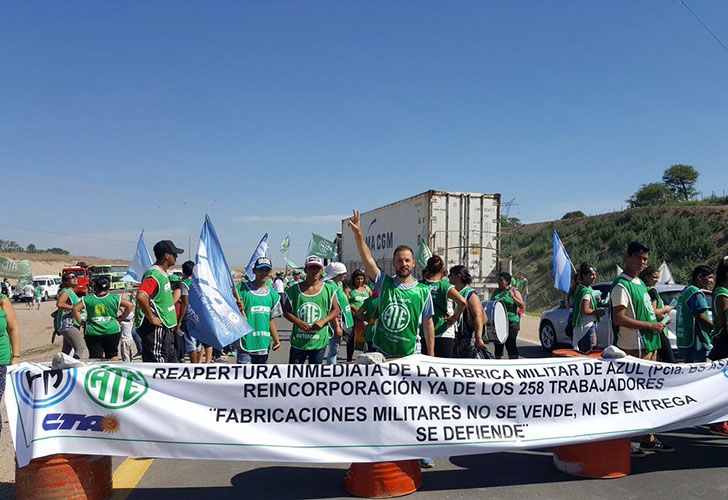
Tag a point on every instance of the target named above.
point(260, 251)
point(142, 261)
point(213, 316)
point(562, 266)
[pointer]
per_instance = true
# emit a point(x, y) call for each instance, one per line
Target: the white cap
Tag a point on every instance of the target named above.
point(335, 269)
point(314, 260)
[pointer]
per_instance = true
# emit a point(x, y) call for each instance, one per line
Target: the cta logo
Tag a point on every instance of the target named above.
point(39, 388)
point(79, 422)
point(115, 387)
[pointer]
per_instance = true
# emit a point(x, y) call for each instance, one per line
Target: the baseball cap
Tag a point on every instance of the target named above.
point(263, 263)
point(166, 246)
point(335, 269)
point(314, 260)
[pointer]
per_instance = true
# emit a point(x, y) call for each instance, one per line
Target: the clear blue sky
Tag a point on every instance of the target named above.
point(277, 116)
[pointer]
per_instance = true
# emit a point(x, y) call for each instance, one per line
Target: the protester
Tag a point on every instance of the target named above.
point(279, 284)
point(443, 295)
point(6, 289)
point(260, 305)
point(512, 301)
point(343, 325)
point(103, 310)
point(156, 316)
point(64, 323)
point(405, 304)
point(28, 292)
point(357, 292)
point(369, 312)
point(650, 276)
point(469, 328)
point(635, 325)
point(126, 341)
point(9, 342)
point(586, 311)
point(720, 324)
point(193, 347)
point(310, 306)
point(295, 278)
point(694, 323)
point(37, 295)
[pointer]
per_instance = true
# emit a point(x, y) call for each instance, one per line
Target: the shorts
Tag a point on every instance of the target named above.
point(192, 344)
point(103, 346)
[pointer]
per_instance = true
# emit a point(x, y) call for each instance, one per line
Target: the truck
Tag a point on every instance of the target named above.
point(461, 227)
point(82, 274)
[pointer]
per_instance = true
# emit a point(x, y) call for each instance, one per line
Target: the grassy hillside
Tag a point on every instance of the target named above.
point(682, 236)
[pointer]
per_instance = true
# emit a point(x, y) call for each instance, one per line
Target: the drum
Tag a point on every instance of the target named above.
point(497, 326)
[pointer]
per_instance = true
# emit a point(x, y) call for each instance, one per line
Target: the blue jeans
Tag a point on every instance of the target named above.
point(299, 356)
point(588, 341)
point(245, 358)
point(332, 349)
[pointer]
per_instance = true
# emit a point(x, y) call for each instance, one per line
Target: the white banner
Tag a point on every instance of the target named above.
point(409, 408)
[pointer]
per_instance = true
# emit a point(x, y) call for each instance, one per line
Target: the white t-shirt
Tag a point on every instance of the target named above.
point(126, 325)
point(278, 285)
point(628, 337)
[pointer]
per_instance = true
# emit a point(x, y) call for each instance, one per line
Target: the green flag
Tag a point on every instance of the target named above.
point(423, 253)
point(286, 244)
point(15, 269)
point(321, 246)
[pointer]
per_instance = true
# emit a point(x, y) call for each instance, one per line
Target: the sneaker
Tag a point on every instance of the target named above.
point(657, 446)
point(636, 452)
point(427, 463)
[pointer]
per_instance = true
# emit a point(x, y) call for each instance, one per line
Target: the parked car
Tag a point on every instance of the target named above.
point(553, 321)
point(50, 284)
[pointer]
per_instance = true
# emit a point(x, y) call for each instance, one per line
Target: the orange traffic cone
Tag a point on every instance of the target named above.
point(600, 460)
point(64, 477)
point(383, 479)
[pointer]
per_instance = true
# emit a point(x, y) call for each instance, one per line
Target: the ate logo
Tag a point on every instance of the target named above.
point(395, 317)
point(41, 388)
point(115, 387)
point(309, 312)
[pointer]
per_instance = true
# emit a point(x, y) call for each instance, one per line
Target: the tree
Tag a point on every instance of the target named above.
point(654, 193)
point(573, 215)
point(31, 248)
point(681, 179)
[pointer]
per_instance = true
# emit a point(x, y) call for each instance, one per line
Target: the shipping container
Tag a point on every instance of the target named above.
point(462, 228)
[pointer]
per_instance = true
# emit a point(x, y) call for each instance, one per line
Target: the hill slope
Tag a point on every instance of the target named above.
point(682, 236)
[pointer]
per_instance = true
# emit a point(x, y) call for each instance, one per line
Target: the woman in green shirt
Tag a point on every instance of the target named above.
point(9, 341)
point(357, 293)
point(64, 324)
point(512, 300)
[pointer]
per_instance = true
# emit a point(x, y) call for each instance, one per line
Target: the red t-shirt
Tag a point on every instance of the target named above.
point(149, 286)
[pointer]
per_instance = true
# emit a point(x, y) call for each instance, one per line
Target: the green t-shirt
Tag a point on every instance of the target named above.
point(5, 348)
point(38, 292)
point(357, 298)
point(162, 303)
point(441, 306)
point(641, 304)
point(719, 291)
point(311, 308)
point(504, 296)
point(400, 313)
point(580, 294)
point(370, 306)
point(64, 317)
point(258, 305)
point(101, 314)
point(687, 324)
point(344, 306)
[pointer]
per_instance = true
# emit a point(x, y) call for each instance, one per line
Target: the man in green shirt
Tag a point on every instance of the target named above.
point(156, 316)
point(694, 325)
point(261, 304)
point(310, 306)
point(405, 304)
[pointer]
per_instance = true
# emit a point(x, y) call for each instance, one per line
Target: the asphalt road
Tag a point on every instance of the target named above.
point(696, 470)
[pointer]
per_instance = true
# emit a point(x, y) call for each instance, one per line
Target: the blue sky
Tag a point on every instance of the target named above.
point(277, 116)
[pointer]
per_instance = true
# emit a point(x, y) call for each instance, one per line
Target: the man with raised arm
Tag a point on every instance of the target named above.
point(404, 302)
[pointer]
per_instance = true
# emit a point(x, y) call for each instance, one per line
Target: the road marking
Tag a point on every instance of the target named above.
point(128, 475)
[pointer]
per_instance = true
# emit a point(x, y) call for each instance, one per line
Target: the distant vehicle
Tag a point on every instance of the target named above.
point(553, 321)
point(50, 285)
point(82, 274)
point(113, 272)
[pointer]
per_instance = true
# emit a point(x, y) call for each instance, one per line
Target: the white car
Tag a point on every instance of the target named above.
point(551, 330)
point(50, 284)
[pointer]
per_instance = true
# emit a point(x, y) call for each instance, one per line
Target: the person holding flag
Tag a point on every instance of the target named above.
point(261, 304)
point(405, 304)
point(155, 314)
point(310, 306)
